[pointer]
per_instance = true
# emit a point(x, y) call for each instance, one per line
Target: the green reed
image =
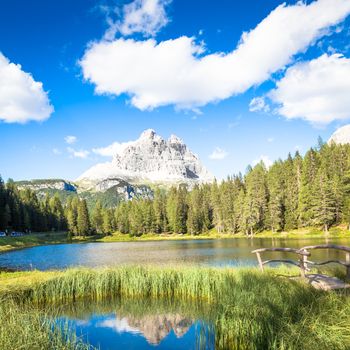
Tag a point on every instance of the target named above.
point(250, 309)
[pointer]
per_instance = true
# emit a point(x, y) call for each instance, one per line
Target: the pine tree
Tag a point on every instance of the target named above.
point(256, 199)
point(98, 220)
point(217, 207)
point(83, 220)
point(195, 217)
point(159, 208)
point(57, 213)
point(121, 217)
point(324, 202)
point(6, 217)
point(276, 207)
point(107, 221)
point(309, 173)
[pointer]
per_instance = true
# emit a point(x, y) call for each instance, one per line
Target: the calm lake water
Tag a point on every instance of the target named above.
point(141, 325)
point(223, 252)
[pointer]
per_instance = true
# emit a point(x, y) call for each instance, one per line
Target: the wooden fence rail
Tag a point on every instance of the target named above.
point(302, 257)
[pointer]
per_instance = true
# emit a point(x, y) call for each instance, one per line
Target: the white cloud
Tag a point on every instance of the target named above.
point(111, 150)
point(317, 91)
point(22, 99)
point(140, 16)
point(70, 139)
point(265, 159)
point(83, 154)
point(177, 72)
point(120, 325)
point(258, 104)
point(56, 151)
point(270, 139)
point(218, 154)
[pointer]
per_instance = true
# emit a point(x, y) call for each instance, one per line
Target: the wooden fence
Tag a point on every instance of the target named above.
point(303, 257)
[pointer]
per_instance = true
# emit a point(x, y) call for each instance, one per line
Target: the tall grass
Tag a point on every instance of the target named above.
point(26, 327)
point(250, 309)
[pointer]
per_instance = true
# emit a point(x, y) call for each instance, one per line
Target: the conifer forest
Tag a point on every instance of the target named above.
point(300, 191)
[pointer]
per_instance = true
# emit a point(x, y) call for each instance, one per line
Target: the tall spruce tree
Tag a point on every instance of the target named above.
point(83, 220)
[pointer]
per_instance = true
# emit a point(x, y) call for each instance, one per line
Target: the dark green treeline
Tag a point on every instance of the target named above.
point(313, 190)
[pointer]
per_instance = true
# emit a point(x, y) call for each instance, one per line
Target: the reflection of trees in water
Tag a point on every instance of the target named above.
point(154, 319)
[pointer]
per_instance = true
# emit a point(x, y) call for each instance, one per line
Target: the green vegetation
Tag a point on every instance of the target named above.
point(26, 327)
point(10, 243)
point(24, 211)
point(249, 309)
point(299, 192)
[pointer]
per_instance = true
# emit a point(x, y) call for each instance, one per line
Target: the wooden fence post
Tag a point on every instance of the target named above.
point(260, 261)
point(347, 260)
point(302, 262)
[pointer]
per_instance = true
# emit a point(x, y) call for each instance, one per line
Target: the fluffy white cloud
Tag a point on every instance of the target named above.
point(177, 72)
point(218, 154)
point(78, 153)
point(112, 149)
point(341, 136)
point(70, 139)
point(22, 99)
point(120, 325)
point(265, 159)
point(317, 91)
point(140, 16)
point(258, 104)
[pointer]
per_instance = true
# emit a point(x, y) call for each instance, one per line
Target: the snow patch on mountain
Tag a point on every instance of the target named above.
point(341, 136)
point(150, 159)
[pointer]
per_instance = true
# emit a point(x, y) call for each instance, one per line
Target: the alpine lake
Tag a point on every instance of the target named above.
point(151, 323)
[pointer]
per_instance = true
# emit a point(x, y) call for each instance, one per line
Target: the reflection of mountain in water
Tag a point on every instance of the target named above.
point(153, 327)
point(156, 327)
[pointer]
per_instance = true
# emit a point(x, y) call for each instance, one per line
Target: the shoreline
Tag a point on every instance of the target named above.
point(49, 238)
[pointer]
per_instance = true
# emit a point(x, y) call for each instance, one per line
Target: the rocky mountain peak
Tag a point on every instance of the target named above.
point(150, 159)
point(148, 134)
point(173, 139)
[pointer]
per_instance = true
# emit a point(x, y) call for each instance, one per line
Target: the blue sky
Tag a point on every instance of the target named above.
point(110, 69)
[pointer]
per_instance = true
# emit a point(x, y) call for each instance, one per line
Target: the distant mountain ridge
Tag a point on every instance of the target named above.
point(135, 169)
point(149, 160)
point(47, 184)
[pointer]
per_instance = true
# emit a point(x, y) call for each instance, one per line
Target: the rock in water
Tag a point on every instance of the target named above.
point(149, 159)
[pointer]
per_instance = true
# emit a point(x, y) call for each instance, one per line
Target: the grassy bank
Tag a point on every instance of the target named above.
point(31, 240)
point(252, 310)
point(36, 239)
point(10, 243)
point(27, 327)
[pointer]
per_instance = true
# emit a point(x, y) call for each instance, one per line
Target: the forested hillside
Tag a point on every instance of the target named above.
point(313, 190)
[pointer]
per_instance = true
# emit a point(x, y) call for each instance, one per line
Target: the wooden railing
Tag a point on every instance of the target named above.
point(303, 253)
point(345, 249)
